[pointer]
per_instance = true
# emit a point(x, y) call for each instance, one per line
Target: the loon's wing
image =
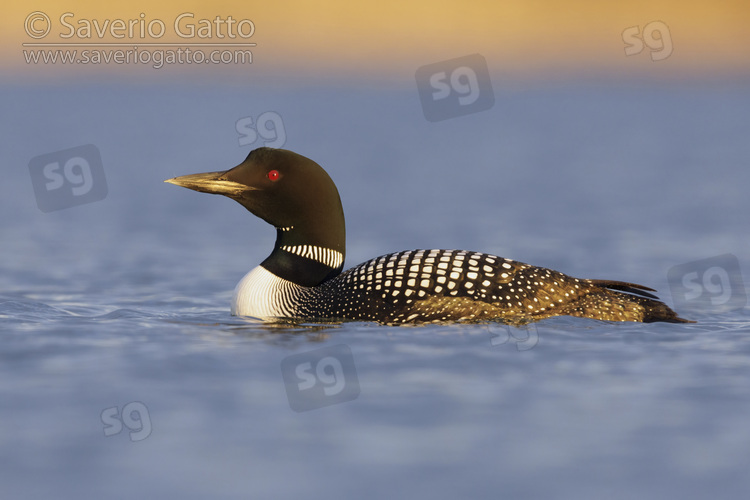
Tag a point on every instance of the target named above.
point(456, 285)
point(624, 286)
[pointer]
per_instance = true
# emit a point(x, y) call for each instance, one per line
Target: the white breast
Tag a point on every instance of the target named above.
point(264, 295)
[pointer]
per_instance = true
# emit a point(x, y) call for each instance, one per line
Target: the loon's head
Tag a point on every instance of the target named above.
point(296, 196)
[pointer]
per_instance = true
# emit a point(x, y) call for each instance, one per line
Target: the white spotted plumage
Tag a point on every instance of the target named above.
point(422, 286)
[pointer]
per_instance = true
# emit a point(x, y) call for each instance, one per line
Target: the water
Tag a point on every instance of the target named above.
point(123, 374)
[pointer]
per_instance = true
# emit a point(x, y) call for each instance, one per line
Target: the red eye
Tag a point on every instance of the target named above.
point(274, 175)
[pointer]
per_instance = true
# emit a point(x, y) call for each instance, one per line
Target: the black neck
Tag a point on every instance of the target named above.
point(289, 259)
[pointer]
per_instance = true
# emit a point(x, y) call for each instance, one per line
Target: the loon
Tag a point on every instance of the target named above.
point(302, 279)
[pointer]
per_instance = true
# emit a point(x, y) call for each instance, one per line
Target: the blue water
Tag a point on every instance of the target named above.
point(123, 375)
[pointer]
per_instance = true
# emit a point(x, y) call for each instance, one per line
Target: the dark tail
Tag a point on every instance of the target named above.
point(621, 301)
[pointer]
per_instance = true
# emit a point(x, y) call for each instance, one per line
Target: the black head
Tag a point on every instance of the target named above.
point(285, 189)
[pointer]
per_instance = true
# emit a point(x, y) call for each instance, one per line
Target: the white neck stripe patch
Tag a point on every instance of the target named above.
point(330, 258)
point(262, 294)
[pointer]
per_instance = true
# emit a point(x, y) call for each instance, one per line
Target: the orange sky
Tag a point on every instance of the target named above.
point(386, 41)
